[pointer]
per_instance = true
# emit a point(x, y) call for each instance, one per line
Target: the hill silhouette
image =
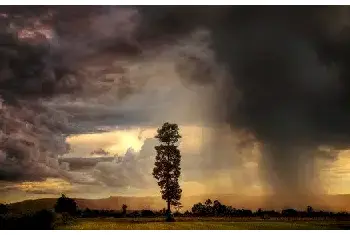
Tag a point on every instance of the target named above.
point(326, 202)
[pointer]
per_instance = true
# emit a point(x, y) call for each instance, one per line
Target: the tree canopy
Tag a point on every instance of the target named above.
point(66, 205)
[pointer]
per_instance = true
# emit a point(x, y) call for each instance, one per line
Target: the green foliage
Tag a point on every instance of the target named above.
point(208, 202)
point(167, 165)
point(66, 205)
point(199, 209)
point(217, 209)
point(169, 133)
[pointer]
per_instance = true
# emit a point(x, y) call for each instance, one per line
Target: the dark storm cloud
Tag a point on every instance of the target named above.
point(293, 82)
point(87, 118)
point(287, 77)
point(31, 138)
point(288, 82)
point(54, 54)
point(285, 81)
point(43, 57)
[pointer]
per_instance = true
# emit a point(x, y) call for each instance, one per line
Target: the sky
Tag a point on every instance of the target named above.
point(261, 96)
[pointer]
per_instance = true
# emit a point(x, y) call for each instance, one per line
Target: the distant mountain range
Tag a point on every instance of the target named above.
point(326, 202)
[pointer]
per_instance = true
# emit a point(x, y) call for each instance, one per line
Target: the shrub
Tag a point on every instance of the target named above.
point(147, 213)
point(3, 209)
point(43, 219)
point(134, 214)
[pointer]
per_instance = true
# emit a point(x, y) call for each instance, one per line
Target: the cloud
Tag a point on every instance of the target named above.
point(2, 156)
point(263, 72)
point(133, 170)
point(49, 186)
point(30, 143)
point(36, 69)
point(286, 90)
point(284, 82)
point(99, 152)
point(83, 163)
point(60, 84)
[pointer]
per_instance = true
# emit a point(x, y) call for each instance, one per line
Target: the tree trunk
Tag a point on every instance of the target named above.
point(168, 201)
point(168, 206)
point(169, 217)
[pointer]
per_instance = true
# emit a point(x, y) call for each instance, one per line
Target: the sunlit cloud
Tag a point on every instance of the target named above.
point(49, 186)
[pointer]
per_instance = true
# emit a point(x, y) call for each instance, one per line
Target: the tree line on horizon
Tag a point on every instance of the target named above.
point(66, 205)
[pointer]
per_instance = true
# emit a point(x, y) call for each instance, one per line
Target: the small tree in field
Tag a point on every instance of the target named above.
point(167, 165)
point(309, 210)
point(66, 205)
point(124, 209)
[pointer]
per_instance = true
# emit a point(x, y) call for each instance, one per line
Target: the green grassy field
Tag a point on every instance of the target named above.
point(198, 224)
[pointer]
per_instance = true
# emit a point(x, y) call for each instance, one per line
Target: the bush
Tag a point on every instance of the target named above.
point(3, 209)
point(169, 218)
point(147, 213)
point(177, 214)
point(134, 214)
point(187, 213)
point(289, 212)
point(43, 219)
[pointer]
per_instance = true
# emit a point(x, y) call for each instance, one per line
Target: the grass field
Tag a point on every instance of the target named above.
point(198, 224)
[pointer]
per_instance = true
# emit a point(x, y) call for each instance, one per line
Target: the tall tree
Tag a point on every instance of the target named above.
point(167, 165)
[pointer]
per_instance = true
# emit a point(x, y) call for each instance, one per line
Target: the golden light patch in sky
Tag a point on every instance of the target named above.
point(192, 136)
point(118, 141)
point(115, 142)
point(337, 177)
point(49, 185)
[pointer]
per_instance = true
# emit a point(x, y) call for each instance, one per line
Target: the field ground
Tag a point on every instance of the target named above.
point(199, 224)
